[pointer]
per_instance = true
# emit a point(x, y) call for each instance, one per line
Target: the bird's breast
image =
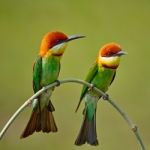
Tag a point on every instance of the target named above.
point(50, 69)
point(103, 78)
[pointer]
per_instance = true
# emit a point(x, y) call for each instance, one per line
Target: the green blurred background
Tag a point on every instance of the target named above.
point(22, 25)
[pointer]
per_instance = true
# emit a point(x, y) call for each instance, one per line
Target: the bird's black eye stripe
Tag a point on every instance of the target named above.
point(59, 41)
point(109, 54)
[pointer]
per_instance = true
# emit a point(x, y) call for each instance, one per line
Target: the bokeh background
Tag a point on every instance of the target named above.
point(22, 26)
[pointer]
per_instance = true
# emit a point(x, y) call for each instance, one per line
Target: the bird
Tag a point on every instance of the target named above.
point(46, 70)
point(100, 75)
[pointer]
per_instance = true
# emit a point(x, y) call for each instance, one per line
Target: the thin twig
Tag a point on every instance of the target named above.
point(22, 107)
point(133, 127)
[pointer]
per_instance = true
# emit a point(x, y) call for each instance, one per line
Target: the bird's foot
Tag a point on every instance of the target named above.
point(58, 83)
point(91, 87)
point(106, 97)
point(30, 103)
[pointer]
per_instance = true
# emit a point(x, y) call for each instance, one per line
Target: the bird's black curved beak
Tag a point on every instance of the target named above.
point(74, 37)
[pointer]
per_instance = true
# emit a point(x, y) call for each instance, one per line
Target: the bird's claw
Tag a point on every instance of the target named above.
point(30, 103)
point(91, 87)
point(58, 83)
point(106, 97)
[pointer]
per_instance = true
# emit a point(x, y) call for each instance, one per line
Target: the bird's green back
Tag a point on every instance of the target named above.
point(37, 72)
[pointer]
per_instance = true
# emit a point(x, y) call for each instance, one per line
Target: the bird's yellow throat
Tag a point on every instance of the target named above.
point(110, 62)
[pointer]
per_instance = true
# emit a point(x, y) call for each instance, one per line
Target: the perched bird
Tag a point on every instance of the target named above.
point(101, 75)
point(45, 71)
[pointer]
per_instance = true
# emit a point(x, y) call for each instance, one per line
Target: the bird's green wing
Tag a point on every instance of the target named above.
point(113, 78)
point(92, 72)
point(37, 72)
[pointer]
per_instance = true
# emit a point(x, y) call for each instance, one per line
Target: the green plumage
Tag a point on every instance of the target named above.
point(50, 69)
point(101, 78)
point(45, 71)
point(37, 73)
point(92, 73)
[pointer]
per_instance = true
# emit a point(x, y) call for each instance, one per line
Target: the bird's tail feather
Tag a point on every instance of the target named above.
point(40, 120)
point(87, 132)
